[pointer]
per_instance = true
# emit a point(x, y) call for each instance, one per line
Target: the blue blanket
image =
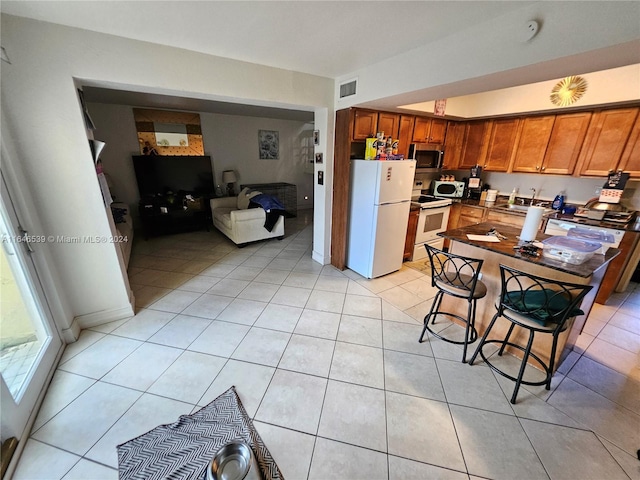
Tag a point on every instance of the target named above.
point(267, 202)
point(271, 206)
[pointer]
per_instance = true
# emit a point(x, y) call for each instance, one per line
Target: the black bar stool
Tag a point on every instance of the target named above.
point(538, 305)
point(457, 276)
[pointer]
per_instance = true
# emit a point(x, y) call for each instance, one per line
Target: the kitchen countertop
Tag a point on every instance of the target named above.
point(505, 247)
point(502, 201)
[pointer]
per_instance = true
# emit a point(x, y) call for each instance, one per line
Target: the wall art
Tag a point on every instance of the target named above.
point(268, 144)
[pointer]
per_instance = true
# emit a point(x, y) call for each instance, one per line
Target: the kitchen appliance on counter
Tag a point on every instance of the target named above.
point(433, 219)
point(474, 183)
point(449, 189)
point(379, 202)
point(609, 212)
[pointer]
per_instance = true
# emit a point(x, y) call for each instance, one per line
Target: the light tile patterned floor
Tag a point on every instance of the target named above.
point(328, 365)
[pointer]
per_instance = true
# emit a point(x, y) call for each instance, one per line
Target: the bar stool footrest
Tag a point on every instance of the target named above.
point(512, 378)
point(473, 333)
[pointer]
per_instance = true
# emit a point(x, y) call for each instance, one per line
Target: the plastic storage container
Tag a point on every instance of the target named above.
point(569, 249)
point(599, 236)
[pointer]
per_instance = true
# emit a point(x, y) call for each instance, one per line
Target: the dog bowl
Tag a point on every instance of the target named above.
point(234, 461)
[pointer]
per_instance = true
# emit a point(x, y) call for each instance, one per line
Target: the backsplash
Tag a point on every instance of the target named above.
point(577, 190)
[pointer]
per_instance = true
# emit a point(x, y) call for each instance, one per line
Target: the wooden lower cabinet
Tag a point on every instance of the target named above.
point(514, 220)
point(412, 227)
point(470, 215)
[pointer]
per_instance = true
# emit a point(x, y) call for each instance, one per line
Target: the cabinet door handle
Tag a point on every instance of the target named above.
point(537, 167)
point(543, 168)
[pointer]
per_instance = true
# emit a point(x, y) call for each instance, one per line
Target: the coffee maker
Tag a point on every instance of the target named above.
point(474, 183)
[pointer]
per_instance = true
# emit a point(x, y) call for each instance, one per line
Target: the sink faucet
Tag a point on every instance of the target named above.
point(533, 197)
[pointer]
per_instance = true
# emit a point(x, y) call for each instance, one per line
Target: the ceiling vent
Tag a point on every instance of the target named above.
point(348, 89)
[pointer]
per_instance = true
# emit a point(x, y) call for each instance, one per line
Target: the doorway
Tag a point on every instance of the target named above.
point(30, 344)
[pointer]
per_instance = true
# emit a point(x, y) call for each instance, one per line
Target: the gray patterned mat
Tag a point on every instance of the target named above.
point(183, 449)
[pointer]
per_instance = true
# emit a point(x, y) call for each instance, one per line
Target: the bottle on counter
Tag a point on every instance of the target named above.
point(512, 197)
point(558, 202)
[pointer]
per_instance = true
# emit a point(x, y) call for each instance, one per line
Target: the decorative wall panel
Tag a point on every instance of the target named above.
point(162, 132)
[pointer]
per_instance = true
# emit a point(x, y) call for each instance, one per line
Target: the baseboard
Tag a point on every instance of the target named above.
point(106, 316)
point(71, 334)
point(318, 257)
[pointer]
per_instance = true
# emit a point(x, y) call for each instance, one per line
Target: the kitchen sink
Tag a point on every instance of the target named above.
point(520, 208)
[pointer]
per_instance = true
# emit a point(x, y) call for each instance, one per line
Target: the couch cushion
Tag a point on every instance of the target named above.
point(245, 196)
point(223, 215)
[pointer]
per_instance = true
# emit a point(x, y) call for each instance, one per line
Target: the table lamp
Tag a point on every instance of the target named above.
point(229, 177)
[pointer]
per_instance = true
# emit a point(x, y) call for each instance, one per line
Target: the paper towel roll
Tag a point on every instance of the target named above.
point(531, 223)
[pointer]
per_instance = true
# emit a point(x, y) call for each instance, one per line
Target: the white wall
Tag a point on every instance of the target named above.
point(40, 103)
point(614, 85)
point(230, 140)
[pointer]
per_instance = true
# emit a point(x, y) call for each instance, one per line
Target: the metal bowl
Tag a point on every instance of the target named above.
point(234, 461)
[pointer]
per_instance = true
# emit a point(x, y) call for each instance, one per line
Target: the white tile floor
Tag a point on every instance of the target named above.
point(329, 366)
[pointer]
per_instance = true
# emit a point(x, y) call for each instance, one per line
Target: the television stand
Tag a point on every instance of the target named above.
point(160, 217)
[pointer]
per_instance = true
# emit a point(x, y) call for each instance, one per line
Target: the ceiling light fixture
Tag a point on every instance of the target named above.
point(568, 90)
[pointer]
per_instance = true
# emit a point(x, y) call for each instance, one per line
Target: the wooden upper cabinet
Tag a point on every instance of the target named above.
point(429, 130)
point(502, 140)
point(474, 148)
point(405, 134)
point(453, 145)
point(438, 130)
point(534, 134)
point(605, 140)
point(365, 124)
point(389, 123)
point(565, 143)
point(630, 161)
point(421, 130)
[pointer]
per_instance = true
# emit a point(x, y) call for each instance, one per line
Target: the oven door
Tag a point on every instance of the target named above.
point(430, 222)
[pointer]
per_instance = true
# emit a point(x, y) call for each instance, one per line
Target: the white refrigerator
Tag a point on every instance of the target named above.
point(379, 202)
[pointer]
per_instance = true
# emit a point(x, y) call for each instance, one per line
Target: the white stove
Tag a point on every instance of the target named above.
point(429, 201)
point(433, 219)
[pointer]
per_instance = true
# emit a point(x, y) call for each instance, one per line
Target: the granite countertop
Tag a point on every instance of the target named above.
point(502, 201)
point(505, 247)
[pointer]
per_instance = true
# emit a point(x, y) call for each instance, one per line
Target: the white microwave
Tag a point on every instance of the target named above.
point(448, 189)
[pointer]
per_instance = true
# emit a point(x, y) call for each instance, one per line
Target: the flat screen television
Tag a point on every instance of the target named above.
point(158, 174)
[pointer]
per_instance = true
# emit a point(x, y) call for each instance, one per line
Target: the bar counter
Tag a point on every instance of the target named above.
point(590, 272)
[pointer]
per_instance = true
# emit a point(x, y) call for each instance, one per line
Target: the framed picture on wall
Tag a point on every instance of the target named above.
point(268, 144)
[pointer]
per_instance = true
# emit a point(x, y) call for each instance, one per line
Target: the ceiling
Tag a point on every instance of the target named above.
point(325, 38)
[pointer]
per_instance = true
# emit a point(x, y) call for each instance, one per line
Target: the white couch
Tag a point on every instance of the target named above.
point(242, 225)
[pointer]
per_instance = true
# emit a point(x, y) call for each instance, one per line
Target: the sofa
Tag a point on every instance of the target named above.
point(241, 224)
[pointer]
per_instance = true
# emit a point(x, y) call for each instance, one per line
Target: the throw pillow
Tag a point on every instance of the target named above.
point(245, 196)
